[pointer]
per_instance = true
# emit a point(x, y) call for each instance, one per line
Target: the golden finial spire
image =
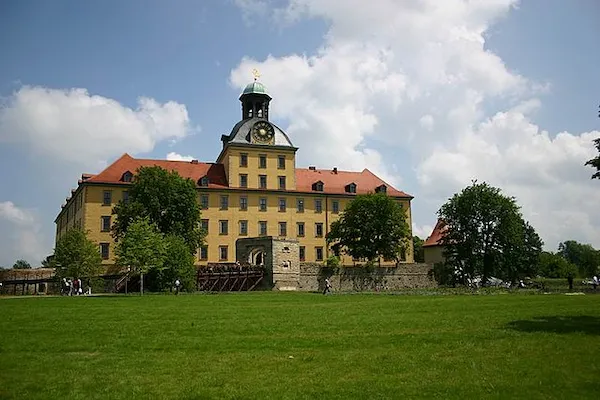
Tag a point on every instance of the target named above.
point(256, 74)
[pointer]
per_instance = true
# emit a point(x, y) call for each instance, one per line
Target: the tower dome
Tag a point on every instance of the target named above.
point(255, 88)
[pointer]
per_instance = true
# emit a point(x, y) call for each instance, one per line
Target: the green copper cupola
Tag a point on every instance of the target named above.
point(255, 100)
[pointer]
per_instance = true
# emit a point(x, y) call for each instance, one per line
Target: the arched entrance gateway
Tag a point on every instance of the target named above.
point(279, 258)
point(257, 257)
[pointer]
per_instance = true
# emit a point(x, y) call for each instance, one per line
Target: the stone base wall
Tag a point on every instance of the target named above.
point(355, 278)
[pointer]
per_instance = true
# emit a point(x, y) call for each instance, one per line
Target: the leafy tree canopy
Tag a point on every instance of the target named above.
point(371, 226)
point(21, 264)
point(418, 249)
point(76, 256)
point(595, 162)
point(487, 235)
point(178, 264)
point(167, 200)
point(48, 262)
point(553, 265)
point(142, 247)
point(584, 256)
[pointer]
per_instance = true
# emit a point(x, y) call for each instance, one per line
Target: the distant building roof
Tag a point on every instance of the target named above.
point(436, 235)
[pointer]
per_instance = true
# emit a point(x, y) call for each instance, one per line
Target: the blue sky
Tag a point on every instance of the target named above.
point(427, 95)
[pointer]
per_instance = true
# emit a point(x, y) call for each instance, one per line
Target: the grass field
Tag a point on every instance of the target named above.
point(300, 345)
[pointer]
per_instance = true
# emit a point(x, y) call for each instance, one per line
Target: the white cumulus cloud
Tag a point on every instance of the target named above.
point(75, 126)
point(22, 235)
point(400, 87)
point(172, 156)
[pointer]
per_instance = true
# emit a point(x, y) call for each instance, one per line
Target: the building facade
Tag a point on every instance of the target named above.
point(253, 189)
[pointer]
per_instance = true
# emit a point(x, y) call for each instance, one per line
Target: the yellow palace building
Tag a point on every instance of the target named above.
point(253, 189)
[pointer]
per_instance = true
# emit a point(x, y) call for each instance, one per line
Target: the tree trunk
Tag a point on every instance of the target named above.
point(142, 284)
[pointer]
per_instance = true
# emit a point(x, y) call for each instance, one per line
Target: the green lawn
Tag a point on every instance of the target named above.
point(300, 345)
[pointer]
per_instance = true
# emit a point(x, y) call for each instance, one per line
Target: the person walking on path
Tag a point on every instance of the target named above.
point(327, 286)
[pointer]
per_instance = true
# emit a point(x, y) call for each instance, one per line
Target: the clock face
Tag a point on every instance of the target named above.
point(262, 132)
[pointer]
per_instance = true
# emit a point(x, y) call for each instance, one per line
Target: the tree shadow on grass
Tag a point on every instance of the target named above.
point(559, 324)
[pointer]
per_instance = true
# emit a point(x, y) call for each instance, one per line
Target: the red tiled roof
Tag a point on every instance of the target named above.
point(333, 182)
point(436, 235)
point(336, 181)
point(187, 169)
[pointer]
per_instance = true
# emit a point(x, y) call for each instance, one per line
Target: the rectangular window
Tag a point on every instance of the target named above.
point(223, 227)
point(318, 229)
point(262, 161)
point(300, 205)
point(105, 225)
point(402, 254)
point(319, 253)
point(243, 203)
point(204, 225)
point(283, 229)
point(262, 204)
point(262, 228)
point(243, 227)
point(107, 197)
point(282, 204)
point(204, 253)
point(300, 226)
point(224, 202)
point(282, 182)
point(222, 253)
point(318, 205)
point(204, 201)
point(243, 159)
point(243, 180)
point(104, 250)
point(281, 162)
point(302, 254)
point(335, 206)
point(126, 196)
point(262, 181)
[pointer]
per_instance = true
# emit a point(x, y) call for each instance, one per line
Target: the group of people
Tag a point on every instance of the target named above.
point(73, 287)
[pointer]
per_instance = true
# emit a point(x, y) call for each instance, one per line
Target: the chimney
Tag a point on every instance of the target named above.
point(335, 170)
point(312, 168)
point(194, 161)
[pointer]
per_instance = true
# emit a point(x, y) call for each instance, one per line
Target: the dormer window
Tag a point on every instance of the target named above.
point(317, 186)
point(351, 188)
point(204, 181)
point(381, 189)
point(127, 176)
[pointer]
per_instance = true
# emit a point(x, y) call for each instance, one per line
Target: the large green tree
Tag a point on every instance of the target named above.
point(418, 250)
point(178, 264)
point(21, 264)
point(595, 162)
point(584, 256)
point(142, 247)
point(168, 200)
point(371, 226)
point(553, 265)
point(487, 236)
point(76, 256)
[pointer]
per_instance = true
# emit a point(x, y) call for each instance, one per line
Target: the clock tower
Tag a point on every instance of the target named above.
point(257, 154)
